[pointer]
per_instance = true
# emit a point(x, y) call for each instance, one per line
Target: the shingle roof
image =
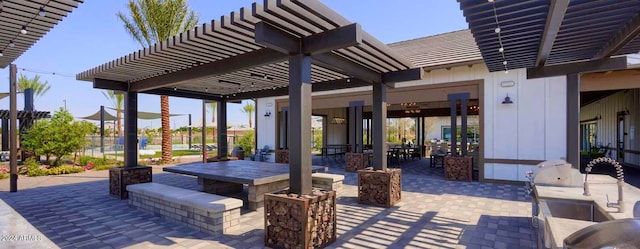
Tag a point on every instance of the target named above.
point(440, 51)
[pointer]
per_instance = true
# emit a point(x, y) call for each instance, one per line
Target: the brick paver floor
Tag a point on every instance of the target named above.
point(76, 211)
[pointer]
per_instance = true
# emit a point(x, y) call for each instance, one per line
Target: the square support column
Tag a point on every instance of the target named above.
point(13, 129)
point(573, 120)
point(120, 178)
point(205, 155)
point(284, 128)
point(379, 123)
point(355, 126)
point(130, 129)
point(300, 123)
point(223, 147)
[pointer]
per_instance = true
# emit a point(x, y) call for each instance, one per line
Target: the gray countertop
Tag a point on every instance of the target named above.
point(600, 186)
point(239, 171)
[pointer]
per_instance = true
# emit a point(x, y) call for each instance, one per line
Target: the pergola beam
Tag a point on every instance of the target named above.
point(624, 36)
point(315, 87)
point(346, 66)
point(228, 65)
point(557, 10)
point(279, 40)
point(579, 67)
point(110, 85)
point(181, 93)
point(403, 75)
point(320, 46)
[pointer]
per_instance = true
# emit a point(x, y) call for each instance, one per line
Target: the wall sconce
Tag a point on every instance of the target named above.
point(267, 114)
point(507, 100)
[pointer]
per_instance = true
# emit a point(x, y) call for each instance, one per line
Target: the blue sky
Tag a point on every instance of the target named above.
point(92, 35)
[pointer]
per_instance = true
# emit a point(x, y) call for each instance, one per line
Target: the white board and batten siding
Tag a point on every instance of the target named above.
point(532, 128)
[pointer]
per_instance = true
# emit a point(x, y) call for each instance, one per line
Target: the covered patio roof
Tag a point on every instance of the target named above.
point(541, 34)
point(245, 55)
point(16, 14)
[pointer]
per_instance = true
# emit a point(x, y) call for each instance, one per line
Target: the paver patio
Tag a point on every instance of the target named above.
point(76, 211)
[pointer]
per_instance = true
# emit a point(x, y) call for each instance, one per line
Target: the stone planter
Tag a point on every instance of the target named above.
point(355, 161)
point(119, 178)
point(282, 156)
point(300, 222)
point(380, 188)
point(458, 168)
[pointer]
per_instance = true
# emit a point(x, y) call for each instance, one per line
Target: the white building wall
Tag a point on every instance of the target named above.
point(266, 126)
point(532, 128)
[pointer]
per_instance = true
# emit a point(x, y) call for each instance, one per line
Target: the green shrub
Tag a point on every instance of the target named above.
point(84, 160)
point(33, 168)
point(105, 167)
point(246, 142)
point(65, 169)
point(4, 172)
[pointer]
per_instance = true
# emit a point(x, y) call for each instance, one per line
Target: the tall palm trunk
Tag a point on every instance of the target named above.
point(166, 129)
point(119, 117)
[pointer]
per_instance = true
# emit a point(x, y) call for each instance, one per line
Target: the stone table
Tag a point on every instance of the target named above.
point(230, 177)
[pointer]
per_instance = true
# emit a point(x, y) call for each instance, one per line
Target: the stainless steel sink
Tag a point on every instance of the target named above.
point(611, 234)
point(569, 209)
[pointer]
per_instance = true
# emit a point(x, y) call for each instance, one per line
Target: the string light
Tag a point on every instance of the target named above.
point(41, 12)
point(47, 72)
point(498, 31)
point(0, 53)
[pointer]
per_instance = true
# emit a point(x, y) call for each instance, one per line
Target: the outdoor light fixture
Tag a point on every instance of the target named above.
point(338, 120)
point(24, 30)
point(264, 76)
point(267, 114)
point(0, 53)
point(253, 84)
point(229, 82)
point(42, 12)
point(11, 44)
point(507, 100)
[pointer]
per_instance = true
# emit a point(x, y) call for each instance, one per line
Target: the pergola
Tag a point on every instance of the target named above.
point(283, 47)
point(22, 24)
point(556, 38)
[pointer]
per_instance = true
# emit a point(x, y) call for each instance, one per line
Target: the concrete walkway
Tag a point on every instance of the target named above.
point(75, 211)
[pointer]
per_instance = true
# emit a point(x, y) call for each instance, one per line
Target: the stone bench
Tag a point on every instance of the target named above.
point(327, 181)
point(197, 210)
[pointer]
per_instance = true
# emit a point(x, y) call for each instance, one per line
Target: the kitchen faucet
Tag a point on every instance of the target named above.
point(620, 204)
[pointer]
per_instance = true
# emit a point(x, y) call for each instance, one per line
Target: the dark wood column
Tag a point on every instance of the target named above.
point(130, 129)
point(355, 126)
point(204, 131)
point(223, 147)
point(13, 129)
point(101, 129)
point(284, 128)
point(573, 120)
point(300, 123)
point(379, 123)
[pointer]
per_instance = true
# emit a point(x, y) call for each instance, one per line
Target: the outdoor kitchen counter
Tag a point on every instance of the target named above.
point(600, 186)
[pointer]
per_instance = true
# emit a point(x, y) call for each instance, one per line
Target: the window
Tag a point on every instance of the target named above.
point(588, 133)
point(473, 135)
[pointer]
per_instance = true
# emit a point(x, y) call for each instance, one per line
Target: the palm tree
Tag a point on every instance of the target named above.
point(117, 100)
point(248, 109)
point(150, 22)
point(39, 87)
